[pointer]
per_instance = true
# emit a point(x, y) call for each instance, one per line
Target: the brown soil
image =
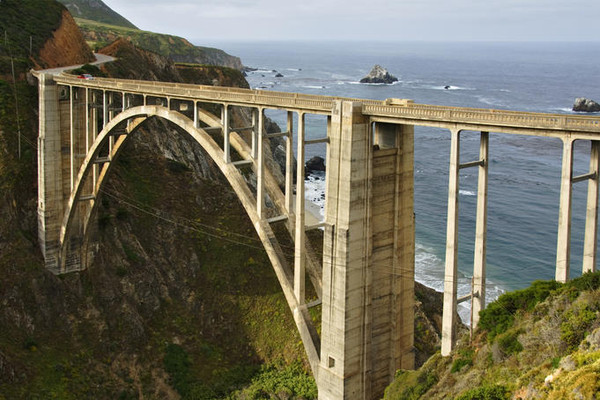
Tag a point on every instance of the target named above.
point(66, 47)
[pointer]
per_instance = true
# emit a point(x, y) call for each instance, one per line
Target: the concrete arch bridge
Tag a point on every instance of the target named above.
point(365, 280)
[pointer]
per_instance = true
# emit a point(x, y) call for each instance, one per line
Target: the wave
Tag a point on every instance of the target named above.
point(429, 268)
point(466, 192)
point(314, 87)
point(450, 87)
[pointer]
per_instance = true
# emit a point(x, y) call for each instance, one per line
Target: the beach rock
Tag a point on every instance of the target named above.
point(315, 164)
point(585, 105)
point(379, 75)
point(279, 75)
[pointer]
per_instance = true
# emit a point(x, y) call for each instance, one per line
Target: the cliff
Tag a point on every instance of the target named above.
point(542, 342)
point(65, 47)
point(39, 33)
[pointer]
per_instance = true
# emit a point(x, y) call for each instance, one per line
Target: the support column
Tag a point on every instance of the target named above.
point(591, 220)
point(392, 258)
point(50, 194)
point(299, 252)
point(563, 245)
point(451, 269)
point(344, 370)
point(71, 137)
point(226, 127)
point(289, 164)
point(255, 133)
point(260, 173)
point(195, 114)
point(478, 295)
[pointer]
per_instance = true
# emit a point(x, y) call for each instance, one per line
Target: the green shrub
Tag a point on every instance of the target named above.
point(486, 392)
point(509, 343)
point(411, 385)
point(291, 382)
point(587, 281)
point(574, 329)
point(466, 358)
point(499, 315)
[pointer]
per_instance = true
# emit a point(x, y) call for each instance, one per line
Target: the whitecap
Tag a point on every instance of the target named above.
point(466, 192)
point(314, 87)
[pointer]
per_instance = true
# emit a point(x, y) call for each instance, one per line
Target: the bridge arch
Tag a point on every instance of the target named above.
point(139, 115)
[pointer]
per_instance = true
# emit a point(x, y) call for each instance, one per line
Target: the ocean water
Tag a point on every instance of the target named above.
point(524, 174)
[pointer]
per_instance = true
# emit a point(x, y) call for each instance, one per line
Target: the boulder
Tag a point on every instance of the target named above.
point(279, 75)
point(315, 164)
point(379, 75)
point(585, 105)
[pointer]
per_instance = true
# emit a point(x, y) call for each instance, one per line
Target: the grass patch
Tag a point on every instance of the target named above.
point(486, 392)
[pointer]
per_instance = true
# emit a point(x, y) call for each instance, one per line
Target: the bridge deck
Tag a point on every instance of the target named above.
point(542, 124)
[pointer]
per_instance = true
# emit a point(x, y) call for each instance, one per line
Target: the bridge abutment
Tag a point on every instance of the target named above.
point(50, 180)
point(368, 273)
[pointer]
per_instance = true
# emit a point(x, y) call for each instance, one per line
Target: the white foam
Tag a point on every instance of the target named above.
point(314, 87)
point(451, 87)
point(466, 192)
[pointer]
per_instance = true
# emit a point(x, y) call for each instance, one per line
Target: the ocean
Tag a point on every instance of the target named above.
point(524, 172)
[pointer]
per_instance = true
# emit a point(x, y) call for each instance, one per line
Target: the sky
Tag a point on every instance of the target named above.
point(367, 20)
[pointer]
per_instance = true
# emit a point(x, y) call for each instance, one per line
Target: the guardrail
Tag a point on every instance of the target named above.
point(324, 104)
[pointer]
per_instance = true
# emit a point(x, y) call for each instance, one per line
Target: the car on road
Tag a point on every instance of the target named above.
point(85, 76)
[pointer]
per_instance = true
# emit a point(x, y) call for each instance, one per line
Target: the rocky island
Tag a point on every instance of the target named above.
point(585, 105)
point(379, 74)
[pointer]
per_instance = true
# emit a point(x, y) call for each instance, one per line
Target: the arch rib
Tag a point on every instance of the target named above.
point(300, 312)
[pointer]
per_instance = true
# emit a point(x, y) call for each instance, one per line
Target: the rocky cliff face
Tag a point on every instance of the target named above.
point(66, 47)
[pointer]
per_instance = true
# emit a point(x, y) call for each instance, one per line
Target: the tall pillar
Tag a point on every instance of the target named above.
point(563, 245)
point(450, 274)
point(260, 166)
point(344, 372)
point(50, 182)
point(478, 299)
point(299, 241)
point(591, 220)
point(392, 259)
point(368, 261)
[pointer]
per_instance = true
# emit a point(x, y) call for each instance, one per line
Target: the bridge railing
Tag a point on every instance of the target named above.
point(324, 104)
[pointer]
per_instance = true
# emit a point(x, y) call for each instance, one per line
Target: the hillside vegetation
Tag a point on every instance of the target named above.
point(173, 47)
point(542, 342)
point(96, 10)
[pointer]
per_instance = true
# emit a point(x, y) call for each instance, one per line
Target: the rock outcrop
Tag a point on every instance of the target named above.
point(315, 164)
point(585, 105)
point(379, 74)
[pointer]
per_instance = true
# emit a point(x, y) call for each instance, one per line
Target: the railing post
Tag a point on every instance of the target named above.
point(450, 278)
point(563, 245)
point(478, 295)
point(591, 220)
point(299, 253)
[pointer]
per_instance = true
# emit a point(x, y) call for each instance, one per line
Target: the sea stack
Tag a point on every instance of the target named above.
point(585, 105)
point(379, 75)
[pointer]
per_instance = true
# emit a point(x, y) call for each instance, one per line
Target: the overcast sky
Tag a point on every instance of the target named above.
point(433, 20)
